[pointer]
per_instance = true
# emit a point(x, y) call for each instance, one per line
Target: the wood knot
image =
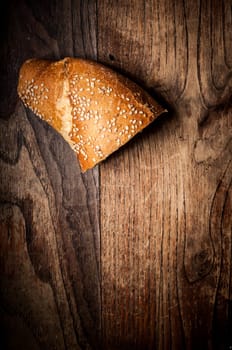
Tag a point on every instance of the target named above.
point(199, 265)
point(202, 263)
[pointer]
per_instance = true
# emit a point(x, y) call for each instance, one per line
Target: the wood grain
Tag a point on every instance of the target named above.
point(136, 254)
point(166, 198)
point(49, 222)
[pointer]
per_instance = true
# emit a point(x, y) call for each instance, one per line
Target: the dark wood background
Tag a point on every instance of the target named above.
point(135, 254)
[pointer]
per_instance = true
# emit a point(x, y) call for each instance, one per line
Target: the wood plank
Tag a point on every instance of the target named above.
point(49, 220)
point(166, 197)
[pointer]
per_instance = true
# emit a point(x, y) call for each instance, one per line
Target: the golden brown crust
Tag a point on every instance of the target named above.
point(96, 109)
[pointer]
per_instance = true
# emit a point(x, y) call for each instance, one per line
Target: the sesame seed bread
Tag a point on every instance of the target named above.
point(95, 109)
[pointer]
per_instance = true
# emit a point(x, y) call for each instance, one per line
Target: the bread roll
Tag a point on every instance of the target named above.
point(95, 109)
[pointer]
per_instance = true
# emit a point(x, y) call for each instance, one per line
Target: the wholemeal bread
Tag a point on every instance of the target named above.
point(95, 109)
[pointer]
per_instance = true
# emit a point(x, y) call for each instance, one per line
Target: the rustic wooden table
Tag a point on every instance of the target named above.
point(135, 254)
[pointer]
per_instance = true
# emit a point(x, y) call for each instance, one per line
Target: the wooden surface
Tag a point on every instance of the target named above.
point(137, 253)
